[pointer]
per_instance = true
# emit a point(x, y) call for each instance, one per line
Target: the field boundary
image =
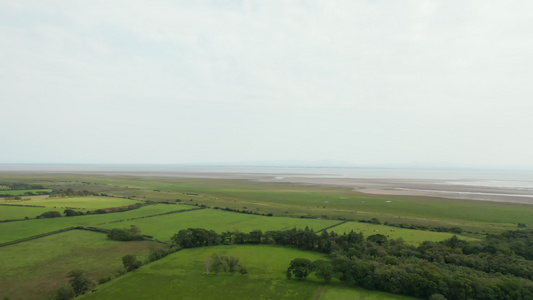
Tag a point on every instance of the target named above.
point(37, 236)
point(150, 216)
point(329, 227)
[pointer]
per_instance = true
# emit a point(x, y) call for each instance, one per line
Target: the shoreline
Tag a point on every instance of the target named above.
point(452, 187)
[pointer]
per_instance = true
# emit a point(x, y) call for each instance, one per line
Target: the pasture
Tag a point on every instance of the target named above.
point(410, 236)
point(164, 227)
point(36, 269)
point(20, 212)
point(293, 206)
point(79, 203)
point(23, 192)
point(182, 276)
point(11, 231)
point(296, 200)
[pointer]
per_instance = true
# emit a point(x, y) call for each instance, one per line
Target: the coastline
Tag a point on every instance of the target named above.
point(507, 187)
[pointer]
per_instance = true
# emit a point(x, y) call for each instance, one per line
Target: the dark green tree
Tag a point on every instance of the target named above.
point(130, 262)
point(50, 214)
point(323, 269)
point(79, 281)
point(300, 268)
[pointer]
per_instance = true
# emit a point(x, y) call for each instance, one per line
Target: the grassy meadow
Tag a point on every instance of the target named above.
point(410, 236)
point(22, 192)
point(296, 200)
point(36, 269)
point(79, 203)
point(182, 275)
point(10, 231)
point(164, 227)
point(19, 212)
point(39, 266)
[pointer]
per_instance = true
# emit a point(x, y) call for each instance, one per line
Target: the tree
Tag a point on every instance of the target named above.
point(230, 264)
point(132, 234)
point(300, 267)
point(65, 293)
point(79, 281)
point(323, 269)
point(50, 214)
point(130, 262)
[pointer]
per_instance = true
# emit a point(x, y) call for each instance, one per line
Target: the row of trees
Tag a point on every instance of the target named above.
point(22, 186)
point(500, 267)
point(79, 284)
point(61, 193)
point(126, 234)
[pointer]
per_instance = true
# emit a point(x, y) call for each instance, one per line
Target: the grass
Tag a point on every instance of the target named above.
point(339, 292)
point(182, 276)
point(37, 268)
point(81, 203)
point(22, 192)
point(286, 199)
point(11, 231)
point(164, 227)
point(410, 236)
point(19, 212)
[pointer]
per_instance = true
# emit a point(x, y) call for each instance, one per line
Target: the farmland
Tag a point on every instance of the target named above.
point(168, 205)
point(182, 275)
point(18, 230)
point(24, 192)
point(81, 203)
point(36, 269)
point(294, 200)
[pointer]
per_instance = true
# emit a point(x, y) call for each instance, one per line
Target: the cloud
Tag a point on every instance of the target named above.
point(372, 78)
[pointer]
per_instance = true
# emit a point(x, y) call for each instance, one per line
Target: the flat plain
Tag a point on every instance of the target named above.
point(219, 205)
point(182, 275)
point(36, 269)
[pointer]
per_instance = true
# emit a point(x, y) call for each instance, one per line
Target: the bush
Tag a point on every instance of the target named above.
point(65, 293)
point(49, 214)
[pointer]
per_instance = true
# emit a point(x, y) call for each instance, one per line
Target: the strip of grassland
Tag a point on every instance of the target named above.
point(20, 212)
point(10, 231)
point(410, 236)
point(81, 203)
point(164, 227)
point(37, 268)
point(284, 199)
point(341, 292)
point(182, 276)
point(23, 192)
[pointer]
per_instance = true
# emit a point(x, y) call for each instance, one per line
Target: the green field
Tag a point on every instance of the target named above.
point(293, 206)
point(19, 212)
point(164, 227)
point(295, 200)
point(182, 276)
point(81, 203)
point(11, 231)
point(22, 192)
point(410, 236)
point(36, 269)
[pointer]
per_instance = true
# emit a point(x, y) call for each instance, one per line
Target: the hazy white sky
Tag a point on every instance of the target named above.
point(366, 82)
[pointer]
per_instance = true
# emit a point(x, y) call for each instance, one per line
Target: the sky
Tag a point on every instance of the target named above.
point(181, 82)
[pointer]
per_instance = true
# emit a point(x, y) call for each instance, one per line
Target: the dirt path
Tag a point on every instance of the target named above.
point(319, 292)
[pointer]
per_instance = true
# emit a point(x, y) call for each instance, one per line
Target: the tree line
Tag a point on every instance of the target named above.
point(499, 267)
